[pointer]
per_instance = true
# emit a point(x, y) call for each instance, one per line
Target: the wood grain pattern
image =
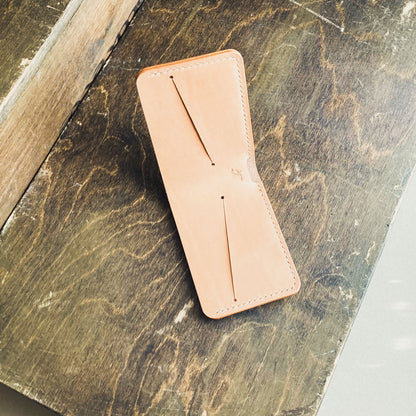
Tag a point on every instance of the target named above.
point(98, 312)
point(36, 108)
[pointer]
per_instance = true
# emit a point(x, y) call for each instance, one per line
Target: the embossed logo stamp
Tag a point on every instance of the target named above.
point(237, 172)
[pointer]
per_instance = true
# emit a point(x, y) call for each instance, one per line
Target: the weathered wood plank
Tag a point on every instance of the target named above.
point(24, 26)
point(98, 312)
point(41, 100)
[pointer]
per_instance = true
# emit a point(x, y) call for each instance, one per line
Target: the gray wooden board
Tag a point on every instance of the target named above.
point(43, 95)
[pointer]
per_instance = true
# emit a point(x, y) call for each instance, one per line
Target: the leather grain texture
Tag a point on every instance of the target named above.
point(198, 116)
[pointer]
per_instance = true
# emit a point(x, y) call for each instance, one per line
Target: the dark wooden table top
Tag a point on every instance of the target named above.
point(98, 313)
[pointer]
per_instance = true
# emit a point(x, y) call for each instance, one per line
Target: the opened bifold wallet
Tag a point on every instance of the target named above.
point(198, 117)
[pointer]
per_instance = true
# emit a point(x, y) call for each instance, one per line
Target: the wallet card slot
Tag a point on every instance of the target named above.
point(191, 120)
point(228, 248)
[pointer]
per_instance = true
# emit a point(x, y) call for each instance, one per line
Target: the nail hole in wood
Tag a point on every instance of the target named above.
point(222, 196)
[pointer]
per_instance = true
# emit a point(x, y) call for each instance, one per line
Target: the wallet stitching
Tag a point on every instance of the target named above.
point(259, 186)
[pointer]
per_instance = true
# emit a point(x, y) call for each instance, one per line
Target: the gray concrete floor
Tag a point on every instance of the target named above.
point(376, 372)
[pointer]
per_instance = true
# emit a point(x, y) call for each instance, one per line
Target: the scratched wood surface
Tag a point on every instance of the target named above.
point(24, 26)
point(99, 315)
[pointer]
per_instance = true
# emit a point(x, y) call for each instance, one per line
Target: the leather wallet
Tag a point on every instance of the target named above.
point(198, 117)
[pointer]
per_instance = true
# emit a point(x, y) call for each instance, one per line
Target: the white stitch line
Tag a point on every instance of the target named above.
point(243, 109)
point(260, 187)
point(190, 66)
point(251, 153)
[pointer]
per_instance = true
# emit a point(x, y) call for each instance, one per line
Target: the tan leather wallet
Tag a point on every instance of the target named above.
point(198, 116)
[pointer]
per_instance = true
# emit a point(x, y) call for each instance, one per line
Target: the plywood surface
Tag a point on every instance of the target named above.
point(99, 315)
